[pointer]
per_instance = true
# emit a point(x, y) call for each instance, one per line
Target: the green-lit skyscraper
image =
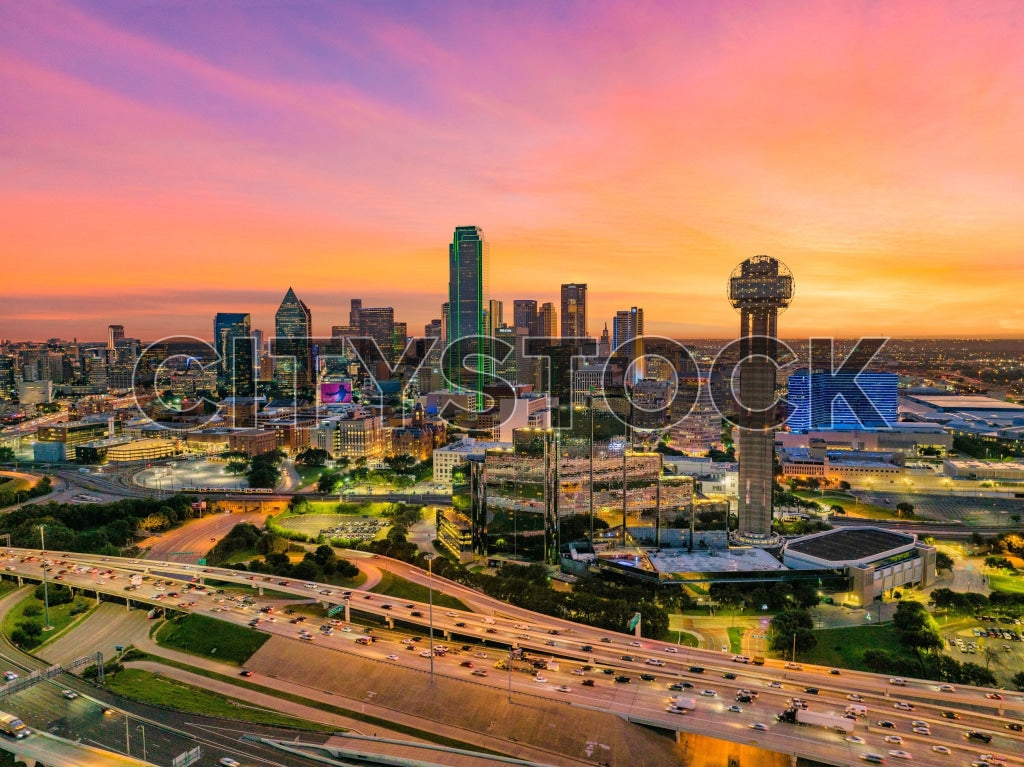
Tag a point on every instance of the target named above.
point(468, 289)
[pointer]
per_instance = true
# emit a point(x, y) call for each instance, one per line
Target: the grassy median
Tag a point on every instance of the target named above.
point(211, 638)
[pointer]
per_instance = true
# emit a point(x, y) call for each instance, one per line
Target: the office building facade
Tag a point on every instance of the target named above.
point(293, 345)
point(818, 400)
point(574, 311)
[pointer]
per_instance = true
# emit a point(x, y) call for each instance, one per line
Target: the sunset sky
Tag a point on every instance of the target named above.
point(161, 161)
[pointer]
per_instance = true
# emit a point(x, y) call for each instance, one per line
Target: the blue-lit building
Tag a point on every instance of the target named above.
point(818, 400)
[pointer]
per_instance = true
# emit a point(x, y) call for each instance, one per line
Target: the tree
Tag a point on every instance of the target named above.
point(790, 623)
point(943, 561)
point(835, 508)
point(1017, 680)
point(904, 509)
point(6, 455)
point(328, 482)
point(313, 456)
point(306, 570)
point(325, 557)
point(992, 655)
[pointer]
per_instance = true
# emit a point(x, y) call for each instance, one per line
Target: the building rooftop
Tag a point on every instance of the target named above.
point(850, 544)
point(958, 402)
point(714, 561)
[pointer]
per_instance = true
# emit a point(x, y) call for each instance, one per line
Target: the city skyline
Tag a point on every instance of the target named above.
point(643, 151)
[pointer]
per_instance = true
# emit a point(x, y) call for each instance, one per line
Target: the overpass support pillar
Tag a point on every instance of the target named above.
point(97, 596)
point(26, 760)
point(390, 621)
point(348, 613)
point(21, 581)
point(127, 605)
point(259, 590)
point(448, 635)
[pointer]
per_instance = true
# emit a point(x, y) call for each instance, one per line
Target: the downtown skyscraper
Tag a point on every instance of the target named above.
point(293, 346)
point(574, 311)
point(235, 350)
point(468, 292)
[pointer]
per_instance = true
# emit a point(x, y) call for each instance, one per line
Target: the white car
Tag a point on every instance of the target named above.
point(563, 688)
point(671, 649)
point(392, 656)
point(947, 688)
point(903, 706)
point(941, 750)
point(654, 662)
point(736, 709)
point(900, 754)
point(896, 739)
point(451, 614)
point(855, 739)
point(425, 653)
point(227, 761)
point(10, 676)
point(759, 727)
point(69, 694)
point(636, 644)
point(921, 731)
point(708, 693)
point(541, 679)
point(855, 698)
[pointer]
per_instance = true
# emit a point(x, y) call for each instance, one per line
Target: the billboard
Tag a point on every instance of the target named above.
point(336, 392)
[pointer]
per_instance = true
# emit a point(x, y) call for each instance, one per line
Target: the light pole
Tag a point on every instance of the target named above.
point(430, 609)
point(46, 589)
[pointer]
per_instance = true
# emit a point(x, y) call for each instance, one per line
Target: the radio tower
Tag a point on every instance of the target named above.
point(759, 289)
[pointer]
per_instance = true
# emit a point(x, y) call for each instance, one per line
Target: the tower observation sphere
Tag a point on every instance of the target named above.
point(761, 283)
point(759, 289)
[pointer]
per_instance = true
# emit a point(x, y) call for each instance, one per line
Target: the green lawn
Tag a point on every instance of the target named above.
point(158, 690)
point(1006, 583)
point(735, 640)
point(60, 618)
point(844, 647)
point(852, 507)
point(211, 638)
point(395, 586)
point(16, 485)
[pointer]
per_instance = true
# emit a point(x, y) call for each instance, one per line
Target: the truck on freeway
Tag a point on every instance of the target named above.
point(828, 721)
point(682, 702)
point(817, 719)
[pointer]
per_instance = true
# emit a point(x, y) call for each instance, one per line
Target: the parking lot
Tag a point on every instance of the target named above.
point(1004, 634)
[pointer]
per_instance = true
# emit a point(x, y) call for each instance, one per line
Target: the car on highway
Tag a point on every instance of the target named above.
point(855, 697)
point(622, 679)
point(627, 658)
point(677, 686)
point(993, 696)
point(902, 706)
point(760, 727)
point(392, 656)
point(227, 761)
point(10, 676)
point(921, 731)
point(834, 671)
point(69, 694)
point(245, 672)
point(946, 688)
point(794, 667)
point(899, 753)
point(648, 677)
point(855, 739)
point(984, 737)
point(654, 662)
point(887, 725)
point(896, 739)
point(728, 675)
point(709, 693)
point(736, 709)
point(636, 643)
point(941, 750)
point(778, 685)
point(587, 682)
point(541, 679)
point(672, 649)
point(811, 690)
point(562, 688)
point(479, 672)
point(1015, 726)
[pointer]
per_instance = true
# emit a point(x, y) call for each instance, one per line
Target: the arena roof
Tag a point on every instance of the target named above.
point(850, 544)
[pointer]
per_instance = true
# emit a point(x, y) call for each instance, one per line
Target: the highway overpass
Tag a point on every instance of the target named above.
point(584, 654)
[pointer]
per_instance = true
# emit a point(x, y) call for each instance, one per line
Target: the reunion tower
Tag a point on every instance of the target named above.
point(759, 289)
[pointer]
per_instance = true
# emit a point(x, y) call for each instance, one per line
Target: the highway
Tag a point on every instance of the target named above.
point(584, 655)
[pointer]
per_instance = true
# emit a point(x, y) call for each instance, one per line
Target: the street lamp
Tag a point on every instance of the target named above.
point(46, 590)
point(430, 612)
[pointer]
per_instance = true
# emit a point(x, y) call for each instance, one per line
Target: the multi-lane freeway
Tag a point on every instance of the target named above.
point(592, 666)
